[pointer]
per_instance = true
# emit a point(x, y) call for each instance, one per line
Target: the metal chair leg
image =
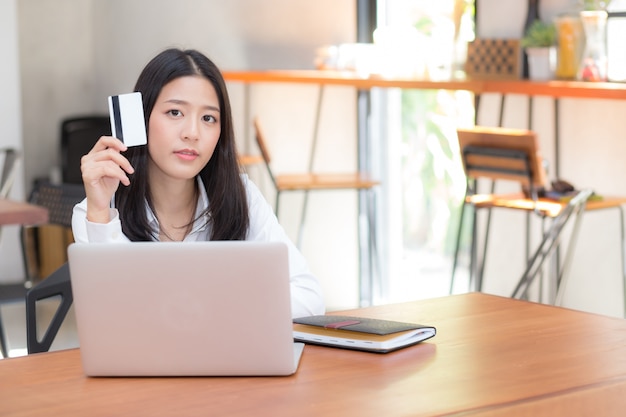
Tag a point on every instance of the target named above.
point(305, 204)
point(457, 246)
point(550, 241)
point(562, 278)
point(277, 203)
point(57, 284)
point(3, 344)
point(473, 251)
point(483, 259)
point(535, 264)
point(623, 255)
point(366, 281)
point(373, 241)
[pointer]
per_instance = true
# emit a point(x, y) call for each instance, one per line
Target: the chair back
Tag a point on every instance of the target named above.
point(44, 247)
point(9, 159)
point(59, 199)
point(502, 154)
point(78, 135)
point(262, 144)
point(260, 140)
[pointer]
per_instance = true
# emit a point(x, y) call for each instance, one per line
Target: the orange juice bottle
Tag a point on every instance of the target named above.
point(569, 46)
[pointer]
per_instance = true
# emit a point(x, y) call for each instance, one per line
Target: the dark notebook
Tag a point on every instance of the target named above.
point(360, 333)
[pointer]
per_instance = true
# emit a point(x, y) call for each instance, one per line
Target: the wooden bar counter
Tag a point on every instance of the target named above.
point(555, 88)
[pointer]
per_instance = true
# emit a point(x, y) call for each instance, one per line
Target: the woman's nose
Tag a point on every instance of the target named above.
point(191, 129)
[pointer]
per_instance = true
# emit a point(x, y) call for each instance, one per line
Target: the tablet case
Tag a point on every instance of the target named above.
point(360, 333)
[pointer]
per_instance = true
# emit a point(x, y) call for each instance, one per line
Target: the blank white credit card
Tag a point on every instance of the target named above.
point(127, 119)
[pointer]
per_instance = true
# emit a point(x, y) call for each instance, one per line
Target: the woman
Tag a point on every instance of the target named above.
point(185, 184)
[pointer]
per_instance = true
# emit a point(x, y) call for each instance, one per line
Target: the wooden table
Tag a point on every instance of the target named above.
point(17, 212)
point(492, 356)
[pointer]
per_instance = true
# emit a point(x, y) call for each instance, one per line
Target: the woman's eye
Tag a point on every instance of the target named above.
point(209, 118)
point(175, 113)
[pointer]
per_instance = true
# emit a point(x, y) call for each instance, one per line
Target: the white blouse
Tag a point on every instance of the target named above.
point(306, 292)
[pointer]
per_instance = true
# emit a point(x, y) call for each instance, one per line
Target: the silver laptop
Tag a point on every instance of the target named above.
point(183, 309)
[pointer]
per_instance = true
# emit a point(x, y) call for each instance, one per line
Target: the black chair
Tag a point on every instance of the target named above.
point(57, 284)
point(60, 200)
point(78, 135)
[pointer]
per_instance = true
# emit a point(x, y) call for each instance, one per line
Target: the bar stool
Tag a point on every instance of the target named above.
point(497, 154)
point(60, 200)
point(317, 181)
point(310, 181)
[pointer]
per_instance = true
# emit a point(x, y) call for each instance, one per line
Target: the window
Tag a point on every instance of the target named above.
point(424, 179)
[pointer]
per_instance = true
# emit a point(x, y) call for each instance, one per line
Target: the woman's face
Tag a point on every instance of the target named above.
point(183, 128)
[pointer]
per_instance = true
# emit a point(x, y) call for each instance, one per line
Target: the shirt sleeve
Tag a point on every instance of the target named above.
point(85, 231)
point(306, 292)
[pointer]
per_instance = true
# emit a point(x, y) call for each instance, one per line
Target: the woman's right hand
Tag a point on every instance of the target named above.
point(103, 168)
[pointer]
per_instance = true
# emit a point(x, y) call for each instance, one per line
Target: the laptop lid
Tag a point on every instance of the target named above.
point(183, 309)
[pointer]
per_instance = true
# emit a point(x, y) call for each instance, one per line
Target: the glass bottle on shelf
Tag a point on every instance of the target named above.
point(615, 35)
point(569, 45)
point(532, 14)
point(593, 64)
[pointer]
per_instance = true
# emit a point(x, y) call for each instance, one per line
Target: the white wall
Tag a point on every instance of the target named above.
point(11, 125)
point(505, 19)
point(74, 53)
point(57, 66)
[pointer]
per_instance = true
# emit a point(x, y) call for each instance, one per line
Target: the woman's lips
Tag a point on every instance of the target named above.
point(186, 154)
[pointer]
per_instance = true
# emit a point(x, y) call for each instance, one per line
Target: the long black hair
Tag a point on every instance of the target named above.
point(228, 209)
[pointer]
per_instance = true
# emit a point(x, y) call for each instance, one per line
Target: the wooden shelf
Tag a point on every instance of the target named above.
point(555, 88)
